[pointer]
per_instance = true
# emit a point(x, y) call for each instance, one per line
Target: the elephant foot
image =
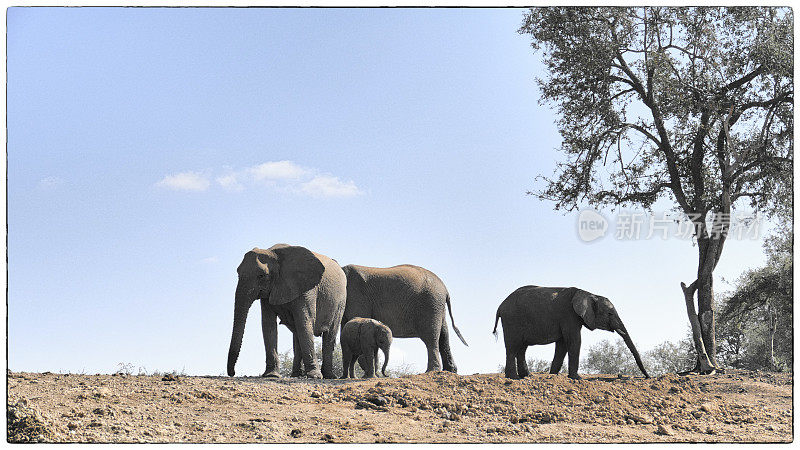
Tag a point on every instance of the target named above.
point(512, 376)
point(315, 373)
point(329, 375)
point(574, 376)
point(296, 374)
point(368, 376)
point(271, 374)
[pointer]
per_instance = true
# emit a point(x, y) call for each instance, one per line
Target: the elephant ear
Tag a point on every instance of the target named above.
point(584, 304)
point(299, 271)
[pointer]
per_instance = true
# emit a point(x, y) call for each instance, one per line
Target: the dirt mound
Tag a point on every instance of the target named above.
point(432, 407)
point(26, 424)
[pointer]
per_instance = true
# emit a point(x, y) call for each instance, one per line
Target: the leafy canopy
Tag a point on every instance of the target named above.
point(692, 103)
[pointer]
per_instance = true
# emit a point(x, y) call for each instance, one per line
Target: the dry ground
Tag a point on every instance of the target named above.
point(433, 407)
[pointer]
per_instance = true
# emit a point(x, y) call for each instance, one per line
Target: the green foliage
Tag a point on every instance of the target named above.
point(755, 328)
point(613, 358)
point(670, 357)
point(605, 357)
point(667, 357)
point(644, 94)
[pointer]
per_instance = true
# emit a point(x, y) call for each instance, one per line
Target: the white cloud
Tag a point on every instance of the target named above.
point(329, 186)
point(230, 182)
point(277, 170)
point(283, 176)
point(185, 181)
point(50, 183)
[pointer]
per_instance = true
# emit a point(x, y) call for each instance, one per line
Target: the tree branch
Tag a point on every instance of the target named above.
point(672, 166)
point(644, 131)
point(739, 195)
point(633, 196)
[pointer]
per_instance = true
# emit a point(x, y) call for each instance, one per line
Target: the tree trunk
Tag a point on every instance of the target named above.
point(710, 244)
point(773, 326)
point(703, 363)
point(705, 313)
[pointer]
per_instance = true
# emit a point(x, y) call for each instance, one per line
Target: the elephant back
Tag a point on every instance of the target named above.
point(402, 278)
point(535, 300)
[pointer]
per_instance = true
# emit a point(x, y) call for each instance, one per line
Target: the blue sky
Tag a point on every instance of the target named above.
point(148, 149)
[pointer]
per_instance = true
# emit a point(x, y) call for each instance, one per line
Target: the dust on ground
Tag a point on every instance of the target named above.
point(433, 407)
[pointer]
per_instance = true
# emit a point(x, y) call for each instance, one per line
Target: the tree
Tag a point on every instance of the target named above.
point(608, 358)
point(671, 357)
point(693, 104)
point(757, 317)
point(667, 357)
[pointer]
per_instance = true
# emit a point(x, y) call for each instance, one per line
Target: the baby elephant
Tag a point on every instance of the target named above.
point(363, 337)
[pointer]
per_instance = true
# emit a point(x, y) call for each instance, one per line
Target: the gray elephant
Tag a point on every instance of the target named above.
point(361, 339)
point(534, 315)
point(410, 300)
point(305, 290)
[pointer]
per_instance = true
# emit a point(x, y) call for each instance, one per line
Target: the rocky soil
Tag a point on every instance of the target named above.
point(433, 407)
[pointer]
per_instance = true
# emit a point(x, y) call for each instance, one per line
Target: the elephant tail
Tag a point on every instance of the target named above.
point(496, 319)
point(455, 328)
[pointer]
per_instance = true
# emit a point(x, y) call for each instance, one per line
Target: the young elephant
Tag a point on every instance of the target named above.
point(535, 315)
point(363, 337)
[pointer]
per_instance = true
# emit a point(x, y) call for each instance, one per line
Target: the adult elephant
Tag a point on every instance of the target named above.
point(305, 290)
point(534, 315)
point(408, 299)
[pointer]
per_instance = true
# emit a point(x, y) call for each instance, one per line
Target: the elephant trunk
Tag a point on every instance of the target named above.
point(241, 307)
point(385, 360)
point(627, 338)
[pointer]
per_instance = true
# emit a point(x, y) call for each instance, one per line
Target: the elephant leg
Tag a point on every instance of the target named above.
point(511, 363)
point(431, 342)
point(352, 367)
point(362, 362)
point(369, 364)
point(522, 363)
point(574, 350)
point(448, 363)
point(558, 357)
point(328, 343)
point(346, 357)
point(328, 346)
point(376, 369)
point(304, 331)
point(297, 367)
point(269, 329)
